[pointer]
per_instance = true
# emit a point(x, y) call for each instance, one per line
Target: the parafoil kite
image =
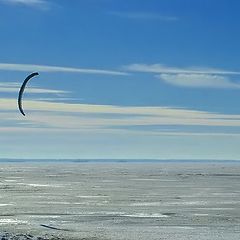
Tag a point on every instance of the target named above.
point(21, 91)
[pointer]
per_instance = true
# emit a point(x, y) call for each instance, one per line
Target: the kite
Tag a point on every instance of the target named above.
point(21, 91)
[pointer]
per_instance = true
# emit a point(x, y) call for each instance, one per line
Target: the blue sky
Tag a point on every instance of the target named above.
point(154, 79)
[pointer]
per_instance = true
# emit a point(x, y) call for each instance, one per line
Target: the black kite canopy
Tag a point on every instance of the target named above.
point(22, 90)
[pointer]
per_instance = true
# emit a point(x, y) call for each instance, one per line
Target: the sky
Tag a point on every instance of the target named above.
point(120, 79)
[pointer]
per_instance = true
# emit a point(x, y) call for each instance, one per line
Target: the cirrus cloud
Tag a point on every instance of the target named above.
point(161, 68)
point(44, 68)
point(199, 80)
point(144, 16)
point(197, 77)
point(40, 4)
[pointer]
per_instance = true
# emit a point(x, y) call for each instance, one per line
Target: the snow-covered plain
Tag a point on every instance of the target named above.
point(154, 201)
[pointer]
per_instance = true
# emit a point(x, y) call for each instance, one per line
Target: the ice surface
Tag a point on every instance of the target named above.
point(172, 201)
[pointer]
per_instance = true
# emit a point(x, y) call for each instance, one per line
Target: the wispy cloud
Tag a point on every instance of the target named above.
point(160, 68)
point(40, 4)
point(43, 68)
point(199, 80)
point(144, 16)
point(13, 87)
point(88, 116)
point(190, 77)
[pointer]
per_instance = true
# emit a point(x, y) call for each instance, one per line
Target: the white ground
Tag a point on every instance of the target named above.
point(176, 201)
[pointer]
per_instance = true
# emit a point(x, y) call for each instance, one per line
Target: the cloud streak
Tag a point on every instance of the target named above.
point(55, 69)
point(189, 77)
point(160, 68)
point(40, 4)
point(144, 16)
point(33, 90)
point(13, 87)
point(88, 116)
point(198, 80)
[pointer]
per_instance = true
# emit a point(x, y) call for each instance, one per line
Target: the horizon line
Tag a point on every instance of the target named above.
point(112, 160)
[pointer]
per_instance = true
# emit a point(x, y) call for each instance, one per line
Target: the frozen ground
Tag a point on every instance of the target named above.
point(176, 201)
